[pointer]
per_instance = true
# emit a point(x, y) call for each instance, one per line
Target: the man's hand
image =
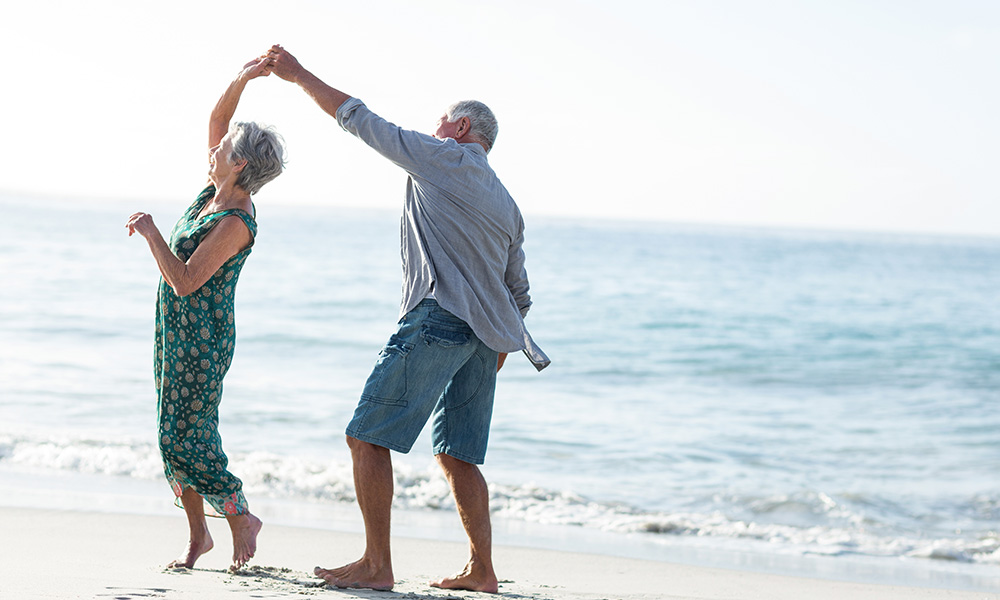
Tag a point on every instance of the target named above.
point(500, 359)
point(287, 67)
point(283, 64)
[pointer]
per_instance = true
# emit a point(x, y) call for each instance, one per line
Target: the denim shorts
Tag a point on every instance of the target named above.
point(433, 366)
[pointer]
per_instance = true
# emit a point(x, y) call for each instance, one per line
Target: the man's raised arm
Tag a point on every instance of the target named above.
point(287, 67)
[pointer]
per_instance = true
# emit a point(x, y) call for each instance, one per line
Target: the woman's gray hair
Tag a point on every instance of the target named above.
point(262, 148)
point(484, 123)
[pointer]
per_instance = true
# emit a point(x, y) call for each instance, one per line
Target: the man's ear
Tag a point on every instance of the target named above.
point(464, 127)
point(239, 166)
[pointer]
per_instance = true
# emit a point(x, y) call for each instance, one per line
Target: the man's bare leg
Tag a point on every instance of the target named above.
point(199, 539)
point(473, 500)
point(374, 487)
point(245, 529)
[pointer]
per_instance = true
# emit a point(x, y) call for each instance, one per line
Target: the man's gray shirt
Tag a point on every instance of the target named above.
point(461, 232)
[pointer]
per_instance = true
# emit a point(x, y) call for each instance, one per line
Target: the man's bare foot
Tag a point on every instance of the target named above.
point(245, 529)
point(195, 548)
point(471, 579)
point(360, 574)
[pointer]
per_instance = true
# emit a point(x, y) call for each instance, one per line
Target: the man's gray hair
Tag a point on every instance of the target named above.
point(484, 122)
point(264, 151)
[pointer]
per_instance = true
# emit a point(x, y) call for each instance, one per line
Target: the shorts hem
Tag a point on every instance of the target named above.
point(379, 442)
point(475, 460)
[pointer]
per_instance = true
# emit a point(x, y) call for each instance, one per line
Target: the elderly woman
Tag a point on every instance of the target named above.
point(195, 331)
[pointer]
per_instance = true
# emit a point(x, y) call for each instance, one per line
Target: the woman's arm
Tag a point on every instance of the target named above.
point(225, 108)
point(226, 239)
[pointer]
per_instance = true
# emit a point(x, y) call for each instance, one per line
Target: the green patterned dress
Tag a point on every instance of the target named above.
point(195, 339)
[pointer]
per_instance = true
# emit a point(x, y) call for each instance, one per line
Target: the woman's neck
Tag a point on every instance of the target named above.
point(227, 196)
point(230, 196)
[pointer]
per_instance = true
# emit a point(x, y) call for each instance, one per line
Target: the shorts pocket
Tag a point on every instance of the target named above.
point(445, 336)
point(387, 383)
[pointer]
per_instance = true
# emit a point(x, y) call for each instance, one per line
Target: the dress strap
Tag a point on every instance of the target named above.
point(251, 223)
point(203, 197)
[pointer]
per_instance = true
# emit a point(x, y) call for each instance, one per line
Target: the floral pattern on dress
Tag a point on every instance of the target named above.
point(195, 341)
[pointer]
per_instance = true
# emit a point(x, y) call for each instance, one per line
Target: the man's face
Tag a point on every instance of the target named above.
point(445, 129)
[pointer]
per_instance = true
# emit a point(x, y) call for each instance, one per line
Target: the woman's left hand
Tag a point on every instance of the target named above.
point(141, 223)
point(258, 67)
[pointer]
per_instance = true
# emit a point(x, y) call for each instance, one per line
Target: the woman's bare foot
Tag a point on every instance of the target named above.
point(197, 546)
point(472, 579)
point(360, 574)
point(245, 529)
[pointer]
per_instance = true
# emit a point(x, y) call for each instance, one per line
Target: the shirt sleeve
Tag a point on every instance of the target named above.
point(410, 150)
point(516, 276)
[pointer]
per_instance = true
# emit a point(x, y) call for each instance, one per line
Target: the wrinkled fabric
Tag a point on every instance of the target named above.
point(461, 233)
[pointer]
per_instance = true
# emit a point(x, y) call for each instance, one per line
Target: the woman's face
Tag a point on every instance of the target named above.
point(220, 163)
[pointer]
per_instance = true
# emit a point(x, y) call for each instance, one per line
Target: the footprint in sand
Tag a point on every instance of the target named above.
point(133, 593)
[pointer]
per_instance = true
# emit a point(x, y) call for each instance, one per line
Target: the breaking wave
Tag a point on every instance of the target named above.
point(834, 526)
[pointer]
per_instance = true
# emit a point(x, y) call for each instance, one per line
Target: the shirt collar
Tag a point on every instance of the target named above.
point(475, 147)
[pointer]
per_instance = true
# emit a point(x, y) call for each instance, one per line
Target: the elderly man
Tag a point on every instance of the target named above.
point(465, 295)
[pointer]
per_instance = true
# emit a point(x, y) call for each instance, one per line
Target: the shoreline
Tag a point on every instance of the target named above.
point(52, 553)
point(121, 503)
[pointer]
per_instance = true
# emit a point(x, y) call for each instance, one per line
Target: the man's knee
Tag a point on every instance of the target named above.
point(450, 463)
point(362, 447)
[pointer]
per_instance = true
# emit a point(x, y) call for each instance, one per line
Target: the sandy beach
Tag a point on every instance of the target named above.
point(69, 554)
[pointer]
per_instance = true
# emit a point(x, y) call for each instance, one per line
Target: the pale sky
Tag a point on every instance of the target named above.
point(872, 115)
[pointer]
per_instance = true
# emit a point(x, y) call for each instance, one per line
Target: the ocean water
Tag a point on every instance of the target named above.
point(781, 393)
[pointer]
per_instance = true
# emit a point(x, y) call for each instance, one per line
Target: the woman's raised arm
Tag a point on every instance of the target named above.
point(225, 108)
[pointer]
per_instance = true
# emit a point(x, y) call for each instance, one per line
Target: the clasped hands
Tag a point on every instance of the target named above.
point(276, 60)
